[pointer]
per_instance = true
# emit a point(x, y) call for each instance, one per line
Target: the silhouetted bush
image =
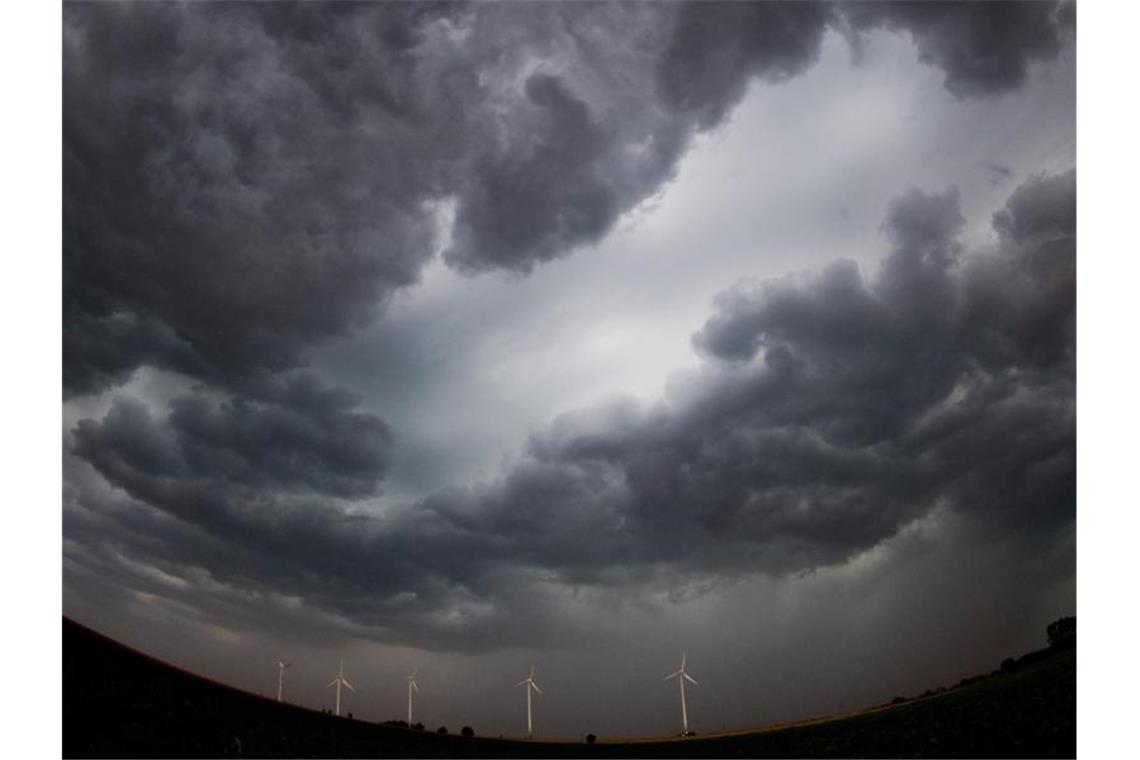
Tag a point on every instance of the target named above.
point(590, 738)
point(350, 716)
point(1008, 665)
point(898, 700)
point(418, 727)
point(467, 731)
point(441, 730)
point(1062, 632)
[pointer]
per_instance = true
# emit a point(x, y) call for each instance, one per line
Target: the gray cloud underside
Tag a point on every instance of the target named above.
point(245, 181)
point(831, 411)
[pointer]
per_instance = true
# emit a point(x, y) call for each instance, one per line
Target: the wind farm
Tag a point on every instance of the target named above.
point(110, 691)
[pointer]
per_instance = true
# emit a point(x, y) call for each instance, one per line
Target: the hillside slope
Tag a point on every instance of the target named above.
point(120, 703)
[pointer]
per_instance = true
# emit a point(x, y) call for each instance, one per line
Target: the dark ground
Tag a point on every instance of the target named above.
point(120, 703)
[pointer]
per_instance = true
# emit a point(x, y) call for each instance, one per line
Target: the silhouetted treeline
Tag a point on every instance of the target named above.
point(1061, 634)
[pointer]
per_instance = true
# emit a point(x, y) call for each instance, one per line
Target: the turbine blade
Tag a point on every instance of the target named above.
point(692, 680)
point(346, 683)
point(415, 688)
point(332, 683)
point(682, 660)
point(522, 683)
point(531, 671)
point(534, 686)
point(674, 674)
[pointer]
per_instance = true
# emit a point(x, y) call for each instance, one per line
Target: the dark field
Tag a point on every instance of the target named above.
point(118, 703)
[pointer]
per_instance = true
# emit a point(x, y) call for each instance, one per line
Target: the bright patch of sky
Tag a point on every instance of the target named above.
point(464, 368)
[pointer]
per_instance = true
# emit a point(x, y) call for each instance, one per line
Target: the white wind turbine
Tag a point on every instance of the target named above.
point(681, 675)
point(529, 684)
point(340, 679)
point(411, 685)
point(281, 665)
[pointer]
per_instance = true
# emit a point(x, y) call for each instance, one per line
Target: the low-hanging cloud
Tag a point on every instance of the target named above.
point(984, 48)
point(243, 182)
point(832, 411)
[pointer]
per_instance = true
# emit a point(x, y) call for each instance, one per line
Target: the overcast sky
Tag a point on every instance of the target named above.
point(466, 337)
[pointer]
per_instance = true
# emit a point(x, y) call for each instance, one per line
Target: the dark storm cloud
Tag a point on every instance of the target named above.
point(832, 412)
point(983, 47)
point(224, 203)
point(301, 435)
point(245, 181)
point(716, 48)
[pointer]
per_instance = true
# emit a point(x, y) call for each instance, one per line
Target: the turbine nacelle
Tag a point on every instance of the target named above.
point(529, 681)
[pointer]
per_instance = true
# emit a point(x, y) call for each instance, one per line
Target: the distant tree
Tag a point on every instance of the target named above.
point(418, 727)
point(467, 731)
point(1062, 632)
point(441, 730)
point(1008, 665)
point(898, 700)
point(350, 716)
point(590, 738)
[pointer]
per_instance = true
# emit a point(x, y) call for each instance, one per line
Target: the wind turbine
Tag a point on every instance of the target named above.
point(681, 675)
point(411, 685)
point(529, 684)
point(281, 665)
point(340, 679)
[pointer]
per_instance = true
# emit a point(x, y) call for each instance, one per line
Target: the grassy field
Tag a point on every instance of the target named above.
point(120, 703)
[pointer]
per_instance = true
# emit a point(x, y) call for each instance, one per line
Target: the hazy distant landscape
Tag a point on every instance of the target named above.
point(120, 703)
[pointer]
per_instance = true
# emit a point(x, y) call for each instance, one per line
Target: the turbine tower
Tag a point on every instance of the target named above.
point(340, 679)
point(529, 684)
point(681, 676)
point(411, 685)
point(281, 665)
